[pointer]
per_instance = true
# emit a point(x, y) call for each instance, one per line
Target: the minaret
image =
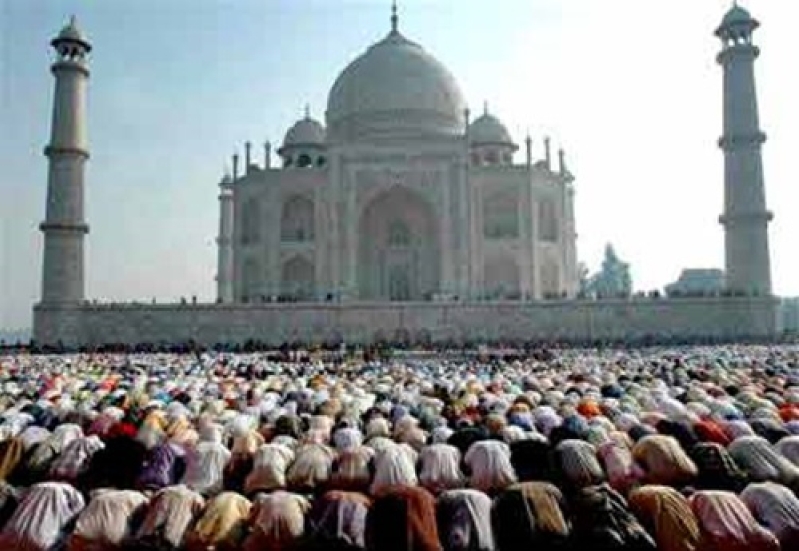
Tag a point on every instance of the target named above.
point(224, 272)
point(64, 226)
point(745, 218)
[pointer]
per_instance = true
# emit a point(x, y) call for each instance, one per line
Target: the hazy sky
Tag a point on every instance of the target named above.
point(629, 87)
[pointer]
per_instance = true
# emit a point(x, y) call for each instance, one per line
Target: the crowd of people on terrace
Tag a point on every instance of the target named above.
point(672, 449)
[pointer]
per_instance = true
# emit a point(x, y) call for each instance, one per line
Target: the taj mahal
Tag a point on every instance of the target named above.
point(400, 196)
point(403, 216)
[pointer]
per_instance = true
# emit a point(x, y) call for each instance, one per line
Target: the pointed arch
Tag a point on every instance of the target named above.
point(297, 279)
point(547, 221)
point(550, 279)
point(501, 277)
point(250, 280)
point(297, 220)
point(251, 221)
point(501, 215)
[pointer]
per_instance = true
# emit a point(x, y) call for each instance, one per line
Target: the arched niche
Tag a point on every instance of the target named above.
point(297, 220)
point(501, 277)
point(398, 248)
point(297, 281)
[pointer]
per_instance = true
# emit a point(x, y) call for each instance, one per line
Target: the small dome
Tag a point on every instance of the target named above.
point(72, 33)
point(306, 131)
point(736, 15)
point(487, 129)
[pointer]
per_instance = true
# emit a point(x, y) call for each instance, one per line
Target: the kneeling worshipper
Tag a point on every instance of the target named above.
point(602, 521)
point(403, 518)
point(717, 469)
point(205, 464)
point(277, 521)
point(777, 508)
point(337, 522)
point(222, 526)
point(352, 470)
point(269, 467)
point(105, 523)
point(668, 517)
point(439, 468)
point(490, 466)
point(530, 515)
point(394, 466)
point(311, 469)
point(464, 520)
point(38, 523)
point(664, 461)
point(788, 447)
point(725, 524)
point(169, 515)
point(762, 462)
point(577, 464)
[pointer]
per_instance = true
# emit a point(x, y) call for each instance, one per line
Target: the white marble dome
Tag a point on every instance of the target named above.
point(306, 131)
point(489, 130)
point(395, 89)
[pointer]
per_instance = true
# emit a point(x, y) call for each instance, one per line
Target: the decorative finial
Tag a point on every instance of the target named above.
point(485, 107)
point(394, 17)
point(307, 111)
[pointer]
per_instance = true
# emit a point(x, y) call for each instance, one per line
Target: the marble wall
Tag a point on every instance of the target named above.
point(727, 318)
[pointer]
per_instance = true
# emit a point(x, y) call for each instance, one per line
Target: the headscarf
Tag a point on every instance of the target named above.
point(45, 510)
point(270, 464)
point(205, 464)
point(222, 525)
point(489, 462)
point(393, 467)
point(11, 453)
point(717, 469)
point(756, 456)
point(169, 514)
point(278, 521)
point(725, 524)
point(352, 470)
point(788, 447)
point(664, 461)
point(311, 469)
point(602, 522)
point(619, 465)
point(530, 515)
point(464, 520)
point(439, 468)
point(777, 508)
point(338, 521)
point(532, 460)
point(107, 519)
point(577, 464)
point(403, 518)
point(668, 517)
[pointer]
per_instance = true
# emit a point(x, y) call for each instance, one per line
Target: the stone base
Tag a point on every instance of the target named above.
point(364, 323)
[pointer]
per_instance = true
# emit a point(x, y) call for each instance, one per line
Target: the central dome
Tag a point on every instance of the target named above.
point(395, 90)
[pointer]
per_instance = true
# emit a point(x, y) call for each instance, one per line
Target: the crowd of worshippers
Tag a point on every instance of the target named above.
point(685, 449)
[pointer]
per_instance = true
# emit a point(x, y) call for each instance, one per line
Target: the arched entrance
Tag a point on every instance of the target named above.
point(501, 277)
point(398, 250)
point(297, 279)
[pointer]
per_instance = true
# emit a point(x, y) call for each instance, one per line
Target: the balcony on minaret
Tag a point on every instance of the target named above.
point(71, 44)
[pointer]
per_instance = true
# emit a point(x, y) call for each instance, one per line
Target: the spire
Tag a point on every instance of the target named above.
point(307, 111)
point(485, 107)
point(394, 17)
